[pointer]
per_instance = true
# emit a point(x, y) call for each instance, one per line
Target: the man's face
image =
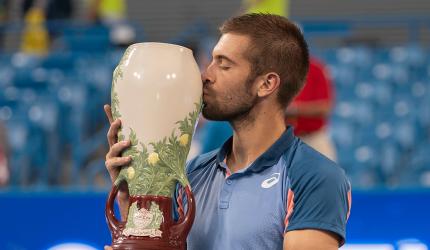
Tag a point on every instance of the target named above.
point(228, 90)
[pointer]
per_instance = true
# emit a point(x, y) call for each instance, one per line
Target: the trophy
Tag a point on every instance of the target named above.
point(156, 92)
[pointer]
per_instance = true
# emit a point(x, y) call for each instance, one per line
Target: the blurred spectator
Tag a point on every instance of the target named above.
point(54, 9)
point(122, 35)
point(59, 10)
point(108, 12)
point(113, 14)
point(35, 38)
point(278, 7)
point(4, 7)
point(4, 168)
point(309, 112)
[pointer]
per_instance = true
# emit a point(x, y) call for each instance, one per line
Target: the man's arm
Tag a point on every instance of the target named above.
point(310, 239)
point(318, 203)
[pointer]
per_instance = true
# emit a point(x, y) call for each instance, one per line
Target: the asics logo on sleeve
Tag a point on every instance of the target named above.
point(268, 183)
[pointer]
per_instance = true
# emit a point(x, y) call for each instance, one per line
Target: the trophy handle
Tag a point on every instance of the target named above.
point(183, 226)
point(112, 222)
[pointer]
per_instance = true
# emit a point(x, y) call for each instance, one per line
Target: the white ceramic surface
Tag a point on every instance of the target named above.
point(160, 85)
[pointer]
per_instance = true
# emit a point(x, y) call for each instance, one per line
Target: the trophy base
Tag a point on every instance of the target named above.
point(139, 244)
point(172, 235)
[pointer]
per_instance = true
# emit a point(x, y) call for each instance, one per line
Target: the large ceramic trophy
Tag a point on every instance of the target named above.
point(156, 92)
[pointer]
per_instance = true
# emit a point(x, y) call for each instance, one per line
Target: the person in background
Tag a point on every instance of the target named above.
point(4, 168)
point(4, 18)
point(113, 15)
point(310, 110)
point(43, 21)
point(108, 12)
point(277, 7)
point(54, 9)
point(35, 36)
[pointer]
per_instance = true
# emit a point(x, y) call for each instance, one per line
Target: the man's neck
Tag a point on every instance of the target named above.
point(252, 136)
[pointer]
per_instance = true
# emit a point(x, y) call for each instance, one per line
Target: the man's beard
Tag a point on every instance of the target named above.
point(234, 108)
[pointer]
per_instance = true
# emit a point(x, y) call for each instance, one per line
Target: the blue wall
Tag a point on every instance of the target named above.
point(389, 217)
point(39, 220)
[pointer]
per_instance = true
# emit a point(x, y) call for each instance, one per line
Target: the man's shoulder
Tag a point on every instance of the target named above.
point(309, 164)
point(202, 161)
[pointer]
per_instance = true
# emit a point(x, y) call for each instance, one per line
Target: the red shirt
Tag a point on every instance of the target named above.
point(317, 88)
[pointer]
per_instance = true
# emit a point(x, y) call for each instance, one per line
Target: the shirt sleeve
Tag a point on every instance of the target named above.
point(179, 202)
point(319, 198)
point(179, 199)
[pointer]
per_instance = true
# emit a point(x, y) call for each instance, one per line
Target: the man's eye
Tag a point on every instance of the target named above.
point(224, 67)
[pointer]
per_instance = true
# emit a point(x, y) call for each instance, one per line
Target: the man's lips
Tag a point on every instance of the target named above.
point(205, 96)
point(206, 92)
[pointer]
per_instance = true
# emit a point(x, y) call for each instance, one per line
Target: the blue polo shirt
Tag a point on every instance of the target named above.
point(289, 187)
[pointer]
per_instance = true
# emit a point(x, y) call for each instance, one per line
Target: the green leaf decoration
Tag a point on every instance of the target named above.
point(118, 73)
point(156, 173)
point(115, 105)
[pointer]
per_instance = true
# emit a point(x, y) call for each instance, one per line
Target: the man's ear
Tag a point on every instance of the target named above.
point(269, 83)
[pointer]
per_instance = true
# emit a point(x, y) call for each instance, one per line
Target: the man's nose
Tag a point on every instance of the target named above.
point(206, 76)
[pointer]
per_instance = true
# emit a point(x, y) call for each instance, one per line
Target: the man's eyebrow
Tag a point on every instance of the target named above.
point(223, 57)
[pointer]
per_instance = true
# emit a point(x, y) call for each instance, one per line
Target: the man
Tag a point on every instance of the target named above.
point(264, 188)
point(309, 111)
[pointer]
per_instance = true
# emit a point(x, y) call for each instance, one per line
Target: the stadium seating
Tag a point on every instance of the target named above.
point(381, 115)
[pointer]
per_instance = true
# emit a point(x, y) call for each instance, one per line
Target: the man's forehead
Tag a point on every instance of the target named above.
point(232, 45)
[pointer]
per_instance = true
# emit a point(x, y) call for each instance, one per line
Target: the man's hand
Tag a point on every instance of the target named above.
point(114, 161)
point(108, 248)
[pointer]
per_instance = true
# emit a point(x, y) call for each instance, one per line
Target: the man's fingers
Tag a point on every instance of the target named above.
point(117, 148)
point(117, 162)
point(108, 112)
point(113, 132)
point(108, 248)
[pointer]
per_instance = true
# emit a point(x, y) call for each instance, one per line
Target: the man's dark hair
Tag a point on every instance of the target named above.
point(277, 45)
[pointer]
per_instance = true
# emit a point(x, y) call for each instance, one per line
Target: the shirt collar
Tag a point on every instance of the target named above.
point(268, 158)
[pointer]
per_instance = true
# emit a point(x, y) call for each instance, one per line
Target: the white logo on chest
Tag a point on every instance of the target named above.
point(268, 183)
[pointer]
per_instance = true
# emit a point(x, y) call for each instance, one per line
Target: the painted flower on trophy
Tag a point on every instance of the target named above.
point(153, 158)
point(184, 139)
point(130, 172)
